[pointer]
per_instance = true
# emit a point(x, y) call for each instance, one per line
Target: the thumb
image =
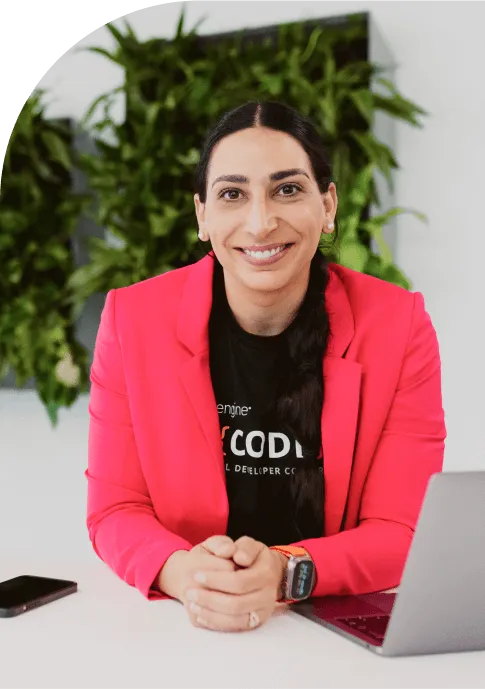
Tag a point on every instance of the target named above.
point(220, 546)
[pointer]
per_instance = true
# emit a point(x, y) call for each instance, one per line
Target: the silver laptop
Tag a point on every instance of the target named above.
point(440, 605)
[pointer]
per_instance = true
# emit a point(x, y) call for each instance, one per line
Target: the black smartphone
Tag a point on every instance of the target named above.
point(26, 592)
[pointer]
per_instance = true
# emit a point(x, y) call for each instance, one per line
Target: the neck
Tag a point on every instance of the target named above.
point(265, 313)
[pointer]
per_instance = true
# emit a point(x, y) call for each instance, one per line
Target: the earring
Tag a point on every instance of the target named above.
point(202, 237)
point(331, 226)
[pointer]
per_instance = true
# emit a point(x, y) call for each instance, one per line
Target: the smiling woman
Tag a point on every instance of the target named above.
point(263, 423)
point(265, 231)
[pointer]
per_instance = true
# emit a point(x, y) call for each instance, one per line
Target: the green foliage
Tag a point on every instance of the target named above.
point(142, 176)
point(174, 90)
point(38, 214)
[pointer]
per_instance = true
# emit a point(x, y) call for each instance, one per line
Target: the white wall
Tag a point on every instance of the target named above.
point(440, 51)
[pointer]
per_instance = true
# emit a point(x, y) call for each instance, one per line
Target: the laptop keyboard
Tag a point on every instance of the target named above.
point(373, 625)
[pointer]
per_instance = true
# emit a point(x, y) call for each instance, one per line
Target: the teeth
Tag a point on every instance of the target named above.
point(263, 255)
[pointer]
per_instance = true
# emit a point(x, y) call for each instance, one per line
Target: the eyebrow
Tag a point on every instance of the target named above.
point(274, 177)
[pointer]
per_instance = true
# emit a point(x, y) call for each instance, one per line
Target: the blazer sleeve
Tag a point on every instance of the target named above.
point(123, 528)
point(371, 556)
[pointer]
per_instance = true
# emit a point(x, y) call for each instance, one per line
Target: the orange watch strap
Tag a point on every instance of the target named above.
point(290, 550)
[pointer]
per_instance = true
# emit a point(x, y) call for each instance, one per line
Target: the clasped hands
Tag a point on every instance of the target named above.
point(225, 585)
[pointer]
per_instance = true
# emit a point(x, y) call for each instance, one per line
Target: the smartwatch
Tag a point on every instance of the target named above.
point(299, 576)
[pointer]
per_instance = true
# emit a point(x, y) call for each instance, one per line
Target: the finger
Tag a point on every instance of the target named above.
point(228, 604)
point(208, 563)
point(221, 546)
point(219, 622)
point(212, 562)
point(247, 551)
point(240, 582)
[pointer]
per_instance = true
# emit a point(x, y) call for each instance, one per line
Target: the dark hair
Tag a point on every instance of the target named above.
point(301, 391)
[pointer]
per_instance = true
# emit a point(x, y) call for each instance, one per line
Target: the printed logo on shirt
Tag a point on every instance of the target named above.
point(245, 449)
point(254, 444)
point(233, 410)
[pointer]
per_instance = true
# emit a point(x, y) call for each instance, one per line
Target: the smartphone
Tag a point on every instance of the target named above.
point(26, 592)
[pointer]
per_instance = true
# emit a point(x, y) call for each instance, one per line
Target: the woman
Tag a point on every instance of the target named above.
point(263, 423)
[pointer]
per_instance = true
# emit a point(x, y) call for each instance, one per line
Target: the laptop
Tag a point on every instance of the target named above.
point(440, 604)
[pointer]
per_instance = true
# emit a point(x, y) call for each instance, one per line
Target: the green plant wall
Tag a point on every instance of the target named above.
point(174, 91)
point(142, 175)
point(38, 214)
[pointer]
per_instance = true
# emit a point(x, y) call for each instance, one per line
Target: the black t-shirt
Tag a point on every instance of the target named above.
point(260, 456)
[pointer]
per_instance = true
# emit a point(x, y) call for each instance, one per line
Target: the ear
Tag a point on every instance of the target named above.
point(330, 204)
point(200, 212)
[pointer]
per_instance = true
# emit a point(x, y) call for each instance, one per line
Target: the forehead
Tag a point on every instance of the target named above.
point(257, 152)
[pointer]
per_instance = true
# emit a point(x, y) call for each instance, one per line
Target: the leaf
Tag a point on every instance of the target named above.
point(198, 24)
point(358, 195)
point(158, 225)
point(44, 171)
point(57, 148)
point(353, 255)
point(376, 231)
point(396, 276)
point(104, 97)
point(152, 112)
point(363, 100)
point(383, 218)
point(161, 224)
point(114, 57)
point(397, 105)
point(349, 224)
point(11, 220)
point(358, 74)
point(116, 33)
point(328, 114)
point(180, 25)
point(86, 281)
point(378, 154)
point(312, 43)
point(52, 409)
point(272, 83)
point(190, 159)
point(389, 273)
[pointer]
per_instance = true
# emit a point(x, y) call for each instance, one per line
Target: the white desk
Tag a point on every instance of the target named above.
point(108, 636)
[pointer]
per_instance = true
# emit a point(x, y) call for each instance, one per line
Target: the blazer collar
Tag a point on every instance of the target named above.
point(193, 322)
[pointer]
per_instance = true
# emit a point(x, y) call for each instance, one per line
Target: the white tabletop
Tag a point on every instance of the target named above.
point(108, 636)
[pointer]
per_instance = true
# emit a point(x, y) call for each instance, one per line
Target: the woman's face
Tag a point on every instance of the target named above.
point(264, 213)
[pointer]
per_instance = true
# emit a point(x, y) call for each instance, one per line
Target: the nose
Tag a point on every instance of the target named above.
point(261, 221)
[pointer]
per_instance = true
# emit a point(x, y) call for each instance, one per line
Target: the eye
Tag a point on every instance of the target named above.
point(290, 186)
point(223, 193)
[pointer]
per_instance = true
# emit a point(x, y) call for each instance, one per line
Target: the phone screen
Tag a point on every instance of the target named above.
point(24, 589)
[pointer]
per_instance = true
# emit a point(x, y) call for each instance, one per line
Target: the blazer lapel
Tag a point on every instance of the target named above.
point(342, 380)
point(193, 332)
point(342, 383)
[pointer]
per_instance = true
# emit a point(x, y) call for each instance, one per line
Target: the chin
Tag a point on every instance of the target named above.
point(269, 280)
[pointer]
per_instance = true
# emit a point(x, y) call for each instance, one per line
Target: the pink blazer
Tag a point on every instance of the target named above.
point(156, 480)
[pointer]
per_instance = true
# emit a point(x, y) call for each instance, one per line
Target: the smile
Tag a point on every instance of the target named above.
point(266, 255)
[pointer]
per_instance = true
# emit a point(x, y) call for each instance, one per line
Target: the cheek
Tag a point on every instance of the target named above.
point(218, 221)
point(303, 217)
point(307, 218)
point(222, 230)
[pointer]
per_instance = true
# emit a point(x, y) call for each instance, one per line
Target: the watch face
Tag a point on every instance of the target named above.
point(301, 586)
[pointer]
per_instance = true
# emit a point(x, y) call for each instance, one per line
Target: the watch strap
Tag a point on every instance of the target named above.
point(291, 550)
